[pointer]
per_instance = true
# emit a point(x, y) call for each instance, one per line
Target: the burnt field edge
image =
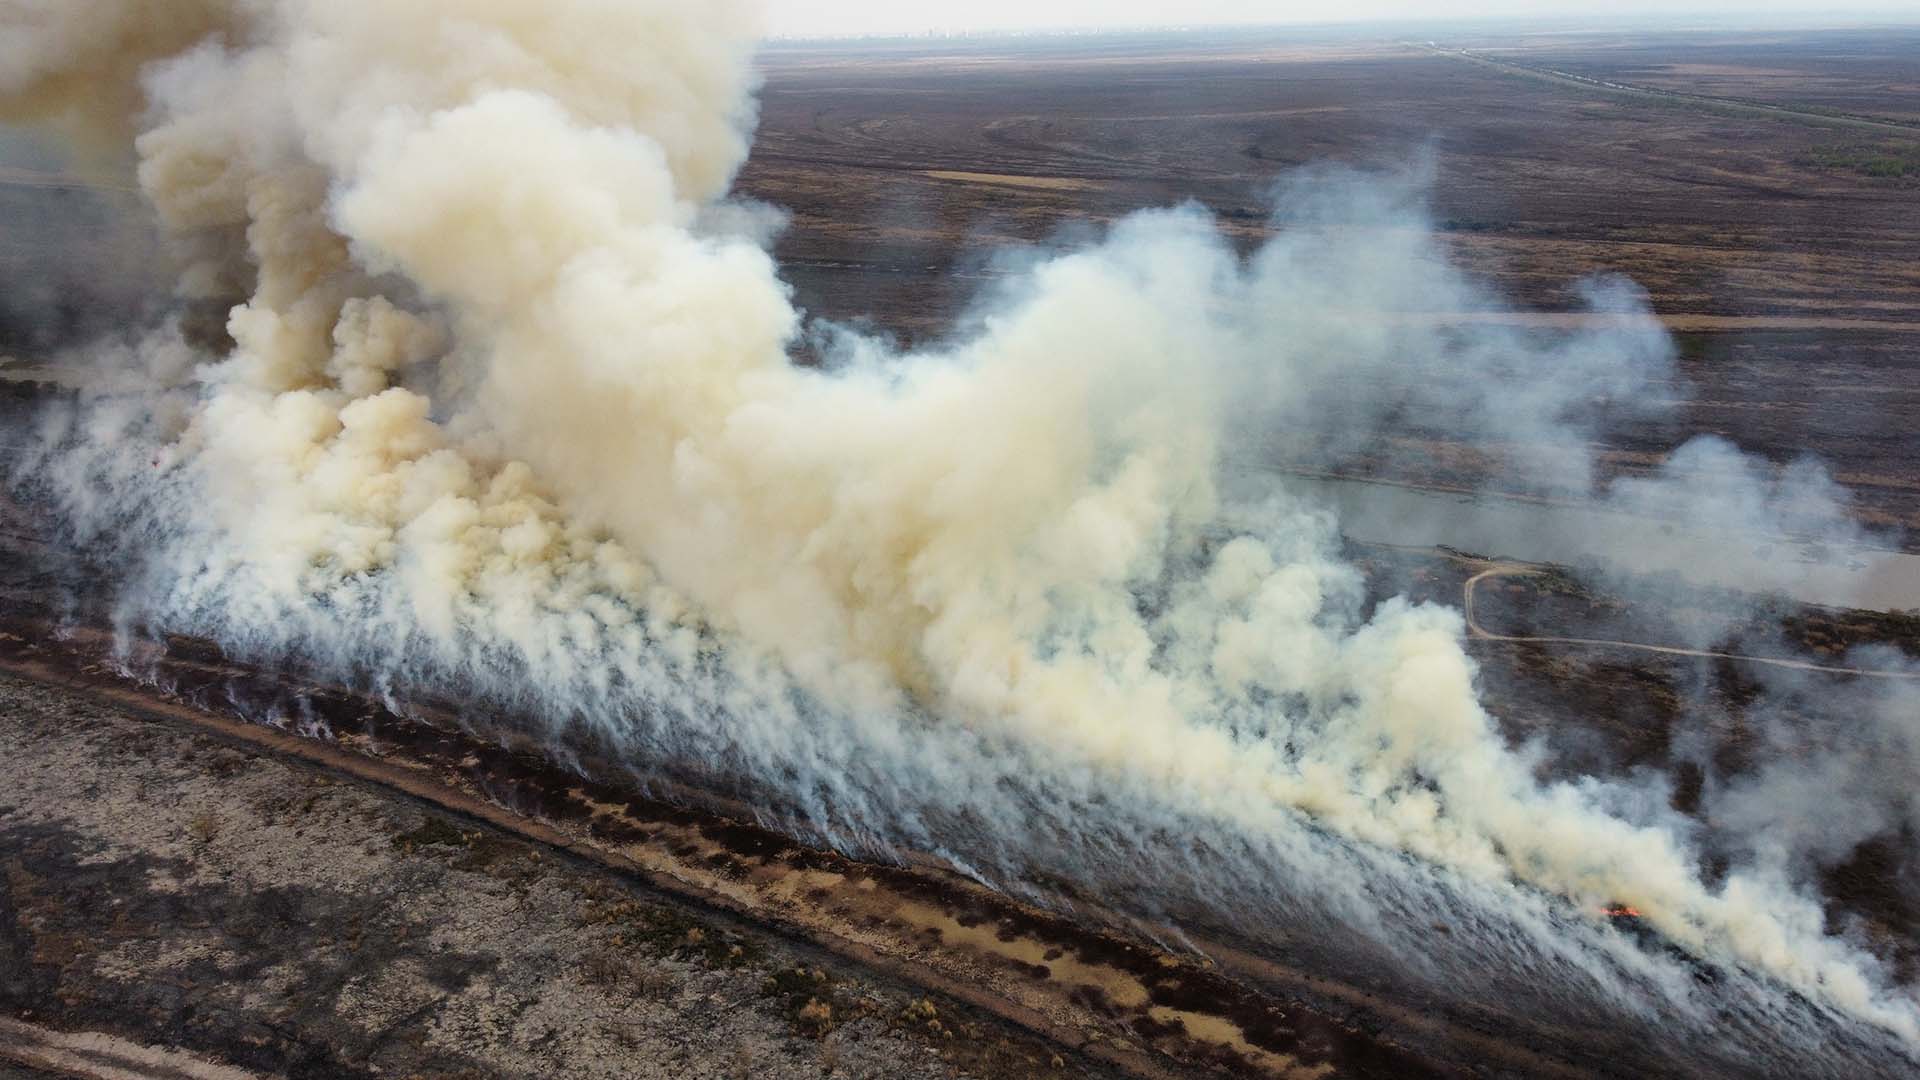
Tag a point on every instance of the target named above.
point(1110, 995)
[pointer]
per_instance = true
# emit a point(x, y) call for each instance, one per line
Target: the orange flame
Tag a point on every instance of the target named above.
point(1620, 911)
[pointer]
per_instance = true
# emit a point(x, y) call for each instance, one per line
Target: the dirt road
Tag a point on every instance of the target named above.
point(1526, 570)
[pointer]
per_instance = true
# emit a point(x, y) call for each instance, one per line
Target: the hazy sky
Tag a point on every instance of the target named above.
point(806, 17)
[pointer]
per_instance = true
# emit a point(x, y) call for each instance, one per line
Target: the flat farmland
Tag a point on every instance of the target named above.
point(1867, 72)
point(1786, 263)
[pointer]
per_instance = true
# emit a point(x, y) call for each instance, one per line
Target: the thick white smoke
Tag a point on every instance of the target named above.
point(502, 416)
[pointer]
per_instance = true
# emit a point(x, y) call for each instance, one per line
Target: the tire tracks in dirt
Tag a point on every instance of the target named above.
point(1514, 569)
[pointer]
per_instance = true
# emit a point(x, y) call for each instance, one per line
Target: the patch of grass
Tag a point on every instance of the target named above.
point(924, 1016)
point(615, 971)
point(664, 931)
point(478, 852)
point(1560, 581)
point(1695, 346)
point(813, 1002)
point(814, 1018)
point(434, 832)
point(606, 969)
point(1882, 161)
point(503, 859)
point(203, 827)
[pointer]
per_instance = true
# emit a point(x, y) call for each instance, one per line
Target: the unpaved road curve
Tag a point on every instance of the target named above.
point(1525, 570)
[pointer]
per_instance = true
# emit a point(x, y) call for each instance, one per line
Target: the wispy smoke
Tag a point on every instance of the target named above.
point(1826, 787)
point(507, 416)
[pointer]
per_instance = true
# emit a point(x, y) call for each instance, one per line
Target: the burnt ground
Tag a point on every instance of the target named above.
point(168, 888)
point(1789, 265)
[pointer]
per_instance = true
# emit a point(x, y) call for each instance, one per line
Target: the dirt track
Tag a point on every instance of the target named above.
point(1523, 569)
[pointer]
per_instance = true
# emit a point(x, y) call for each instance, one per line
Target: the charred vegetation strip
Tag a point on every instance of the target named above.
point(1114, 998)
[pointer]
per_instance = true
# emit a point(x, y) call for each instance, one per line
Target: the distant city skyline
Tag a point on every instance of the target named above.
point(822, 18)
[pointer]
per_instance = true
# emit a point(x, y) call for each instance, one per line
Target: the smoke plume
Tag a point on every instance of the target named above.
point(506, 416)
